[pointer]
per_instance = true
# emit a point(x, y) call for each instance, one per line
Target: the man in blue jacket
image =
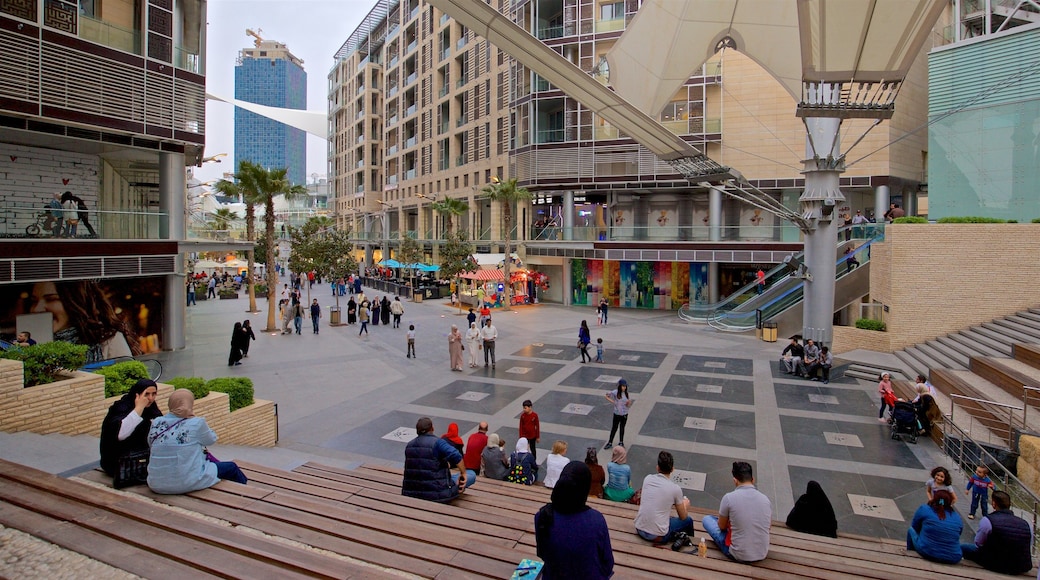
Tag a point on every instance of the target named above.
point(428, 461)
point(1002, 541)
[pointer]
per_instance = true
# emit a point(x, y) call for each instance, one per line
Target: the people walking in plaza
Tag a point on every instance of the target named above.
point(397, 309)
point(888, 396)
point(485, 313)
point(211, 286)
point(473, 344)
point(455, 348)
point(530, 427)
point(660, 494)
point(813, 513)
point(376, 309)
point(555, 463)
point(489, 334)
point(979, 485)
point(190, 287)
point(235, 358)
point(935, 530)
point(571, 538)
point(410, 337)
point(384, 311)
point(315, 315)
point(248, 336)
point(298, 316)
point(584, 339)
point(621, 402)
point(741, 530)
point(619, 477)
point(286, 315)
point(472, 317)
point(351, 311)
point(363, 316)
point(599, 350)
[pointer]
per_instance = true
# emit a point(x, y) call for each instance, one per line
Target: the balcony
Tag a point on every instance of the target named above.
point(19, 220)
point(188, 61)
point(360, 163)
point(541, 85)
point(461, 43)
point(391, 180)
point(461, 82)
point(413, 13)
point(443, 164)
point(410, 142)
point(361, 89)
point(444, 89)
point(444, 54)
point(393, 62)
point(391, 121)
point(111, 35)
point(462, 120)
point(360, 114)
point(409, 174)
point(550, 136)
point(392, 150)
point(360, 189)
point(460, 160)
point(444, 19)
point(410, 111)
point(393, 32)
point(412, 46)
point(550, 32)
point(612, 25)
point(360, 139)
point(444, 127)
point(391, 92)
point(411, 78)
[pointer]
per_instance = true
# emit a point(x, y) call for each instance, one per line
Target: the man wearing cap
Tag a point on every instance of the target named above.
point(428, 461)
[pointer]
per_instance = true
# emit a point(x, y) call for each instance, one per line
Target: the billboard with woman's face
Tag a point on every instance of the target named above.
point(118, 317)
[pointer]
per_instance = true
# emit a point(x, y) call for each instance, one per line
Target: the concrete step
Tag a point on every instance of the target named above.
point(1035, 310)
point(962, 349)
point(996, 334)
point(1010, 333)
point(1029, 332)
point(872, 373)
point(972, 346)
point(1029, 315)
point(1008, 374)
point(944, 354)
point(1024, 322)
point(918, 362)
point(973, 337)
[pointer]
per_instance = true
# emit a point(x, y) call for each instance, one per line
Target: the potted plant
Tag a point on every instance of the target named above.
point(260, 290)
point(227, 293)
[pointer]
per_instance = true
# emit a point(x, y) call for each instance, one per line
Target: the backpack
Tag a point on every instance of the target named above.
point(517, 474)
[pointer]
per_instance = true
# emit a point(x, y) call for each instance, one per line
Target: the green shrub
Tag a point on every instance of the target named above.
point(239, 390)
point(260, 289)
point(119, 377)
point(870, 324)
point(44, 362)
point(970, 220)
point(197, 385)
point(1036, 221)
point(911, 219)
point(1012, 221)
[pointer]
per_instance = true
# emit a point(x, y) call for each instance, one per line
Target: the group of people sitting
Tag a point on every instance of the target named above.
point(807, 361)
point(174, 443)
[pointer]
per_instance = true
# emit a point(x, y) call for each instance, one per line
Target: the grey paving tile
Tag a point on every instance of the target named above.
point(631, 358)
point(718, 479)
point(594, 412)
point(715, 364)
point(368, 439)
point(601, 378)
point(803, 436)
point(515, 370)
point(713, 426)
point(716, 388)
point(814, 396)
point(475, 397)
point(552, 351)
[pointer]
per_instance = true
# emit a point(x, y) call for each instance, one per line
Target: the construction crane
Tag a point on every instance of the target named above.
point(256, 35)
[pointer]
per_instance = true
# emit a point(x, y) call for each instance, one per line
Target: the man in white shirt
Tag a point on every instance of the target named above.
point(489, 333)
point(654, 522)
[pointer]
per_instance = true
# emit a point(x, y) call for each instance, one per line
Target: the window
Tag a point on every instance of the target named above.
point(612, 11)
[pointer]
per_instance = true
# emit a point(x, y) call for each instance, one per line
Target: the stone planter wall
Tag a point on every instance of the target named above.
point(77, 405)
point(848, 338)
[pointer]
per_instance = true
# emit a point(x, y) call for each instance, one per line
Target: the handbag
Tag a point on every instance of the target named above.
point(132, 469)
point(210, 457)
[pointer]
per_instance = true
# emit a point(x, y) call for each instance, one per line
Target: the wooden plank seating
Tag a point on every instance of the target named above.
point(148, 539)
point(361, 514)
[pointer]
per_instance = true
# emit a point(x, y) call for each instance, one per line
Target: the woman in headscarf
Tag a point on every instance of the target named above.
point(619, 477)
point(572, 538)
point(813, 513)
point(384, 310)
point(936, 530)
point(235, 358)
point(493, 461)
point(524, 460)
point(452, 436)
point(599, 477)
point(125, 428)
point(473, 344)
point(178, 440)
point(351, 310)
point(455, 348)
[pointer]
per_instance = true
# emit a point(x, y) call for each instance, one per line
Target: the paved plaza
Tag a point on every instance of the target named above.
point(708, 397)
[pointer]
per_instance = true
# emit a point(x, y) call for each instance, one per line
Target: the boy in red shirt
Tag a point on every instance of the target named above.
point(529, 427)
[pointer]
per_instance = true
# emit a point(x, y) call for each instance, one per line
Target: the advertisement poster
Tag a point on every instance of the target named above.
point(579, 282)
point(121, 317)
point(698, 283)
point(680, 276)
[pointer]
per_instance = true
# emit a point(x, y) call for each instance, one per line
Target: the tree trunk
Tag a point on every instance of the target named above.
point(272, 282)
point(250, 258)
point(505, 264)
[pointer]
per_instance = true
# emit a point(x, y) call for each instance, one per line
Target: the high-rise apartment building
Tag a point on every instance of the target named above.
point(420, 107)
point(268, 74)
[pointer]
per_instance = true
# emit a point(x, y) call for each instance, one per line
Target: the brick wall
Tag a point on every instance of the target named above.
point(77, 405)
point(940, 278)
point(848, 338)
point(31, 175)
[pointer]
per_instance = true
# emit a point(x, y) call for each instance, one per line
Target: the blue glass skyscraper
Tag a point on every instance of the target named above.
point(269, 74)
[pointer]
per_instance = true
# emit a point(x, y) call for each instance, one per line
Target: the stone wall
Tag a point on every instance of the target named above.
point(1029, 461)
point(848, 338)
point(77, 405)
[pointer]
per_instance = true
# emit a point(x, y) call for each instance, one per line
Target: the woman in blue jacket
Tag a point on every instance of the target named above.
point(935, 532)
point(583, 341)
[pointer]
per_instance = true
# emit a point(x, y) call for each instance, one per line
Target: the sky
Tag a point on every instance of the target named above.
point(312, 29)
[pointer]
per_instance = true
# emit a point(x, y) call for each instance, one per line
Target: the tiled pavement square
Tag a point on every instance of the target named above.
point(550, 408)
point(805, 436)
point(629, 358)
point(369, 438)
point(515, 370)
point(567, 352)
point(732, 428)
point(601, 378)
point(717, 389)
point(849, 402)
point(464, 396)
point(715, 364)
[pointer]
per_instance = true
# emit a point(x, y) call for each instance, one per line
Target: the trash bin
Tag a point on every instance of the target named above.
point(769, 332)
point(417, 296)
point(334, 315)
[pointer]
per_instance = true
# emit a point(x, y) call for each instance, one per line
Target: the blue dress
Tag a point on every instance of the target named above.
point(935, 539)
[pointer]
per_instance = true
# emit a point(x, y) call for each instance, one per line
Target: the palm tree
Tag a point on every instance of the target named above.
point(260, 186)
point(221, 219)
point(448, 208)
point(235, 190)
point(508, 194)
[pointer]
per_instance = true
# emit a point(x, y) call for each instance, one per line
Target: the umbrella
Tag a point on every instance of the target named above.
point(429, 268)
point(207, 265)
point(391, 263)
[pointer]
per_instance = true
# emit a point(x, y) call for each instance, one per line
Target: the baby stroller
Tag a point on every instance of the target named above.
point(904, 421)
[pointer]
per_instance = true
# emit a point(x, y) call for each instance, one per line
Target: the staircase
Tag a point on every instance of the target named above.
point(994, 362)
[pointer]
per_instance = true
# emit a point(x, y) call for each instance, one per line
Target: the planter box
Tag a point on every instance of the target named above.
point(260, 294)
point(201, 296)
point(228, 296)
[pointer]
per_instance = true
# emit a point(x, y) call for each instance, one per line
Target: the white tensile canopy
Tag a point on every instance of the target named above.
point(794, 40)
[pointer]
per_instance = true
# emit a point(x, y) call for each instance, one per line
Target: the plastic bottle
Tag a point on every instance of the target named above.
point(702, 550)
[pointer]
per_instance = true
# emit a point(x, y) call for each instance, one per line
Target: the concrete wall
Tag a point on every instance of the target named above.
point(940, 278)
point(77, 405)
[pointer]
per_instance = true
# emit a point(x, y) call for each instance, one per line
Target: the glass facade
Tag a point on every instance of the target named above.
point(276, 83)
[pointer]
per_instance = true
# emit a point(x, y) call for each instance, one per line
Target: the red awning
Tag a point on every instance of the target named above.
point(484, 275)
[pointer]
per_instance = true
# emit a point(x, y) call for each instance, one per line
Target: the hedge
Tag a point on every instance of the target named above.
point(239, 390)
point(197, 385)
point(870, 324)
point(970, 220)
point(910, 220)
point(44, 363)
point(119, 377)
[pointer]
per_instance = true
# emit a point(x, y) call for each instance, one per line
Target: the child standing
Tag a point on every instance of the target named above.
point(979, 483)
point(599, 315)
point(411, 341)
point(529, 426)
point(599, 350)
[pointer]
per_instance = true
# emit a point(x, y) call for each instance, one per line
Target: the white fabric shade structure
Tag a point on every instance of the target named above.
point(207, 265)
point(835, 41)
point(314, 122)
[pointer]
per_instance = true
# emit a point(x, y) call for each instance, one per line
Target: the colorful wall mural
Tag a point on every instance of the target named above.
point(649, 285)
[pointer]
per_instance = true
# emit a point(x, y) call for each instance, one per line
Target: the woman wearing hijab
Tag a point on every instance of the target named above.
point(178, 440)
point(524, 460)
point(599, 477)
point(813, 513)
point(455, 348)
point(584, 338)
point(235, 358)
point(125, 428)
point(384, 310)
point(572, 538)
point(936, 530)
point(247, 336)
point(351, 310)
point(452, 436)
point(473, 344)
point(493, 461)
point(619, 477)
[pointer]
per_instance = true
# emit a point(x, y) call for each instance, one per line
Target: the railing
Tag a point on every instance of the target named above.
point(460, 160)
point(392, 121)
point(409, 111)
point(550, 32)
point(1006, 432)
point(443, 127)
point(391, 91)
point(27, 221)
point(444, 19)
point(411, 46)
point(410, 142)
point(409, 174)
point(112, 36)
point(462, 120)
point(444, 54)
point(391, 150)
point(361, 89)
point(186, 60)
point(969, 454)
point(461, 43)
point(614, 233)
point(610, 25)
point(444, 89)
point(411, 78)
point(550, 135)
point(461, 82)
